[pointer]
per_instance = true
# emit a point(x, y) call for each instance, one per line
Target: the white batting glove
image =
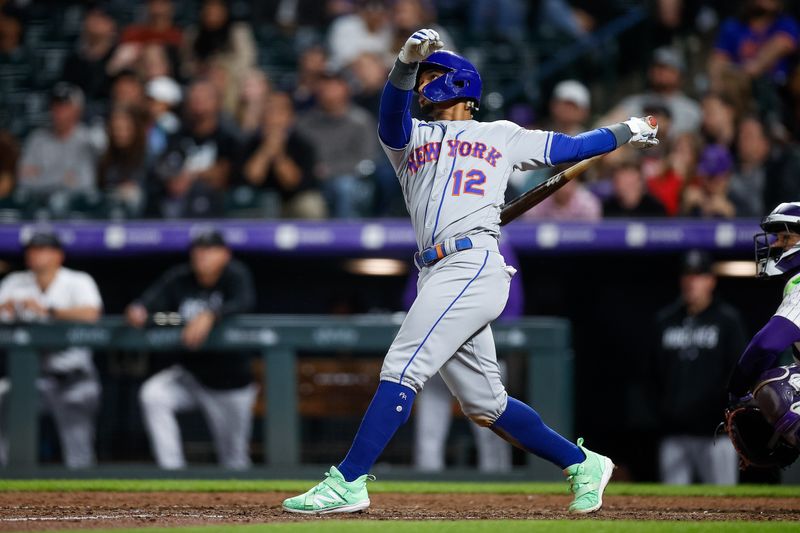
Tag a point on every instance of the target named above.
point(419, 46)
point(644, 131)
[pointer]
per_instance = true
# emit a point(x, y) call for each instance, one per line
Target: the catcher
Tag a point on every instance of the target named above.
point(763, 420)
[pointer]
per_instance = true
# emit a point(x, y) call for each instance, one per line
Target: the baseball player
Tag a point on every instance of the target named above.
point(212, 286)
point(453, 172)
point(68, 382)
point(777, 255)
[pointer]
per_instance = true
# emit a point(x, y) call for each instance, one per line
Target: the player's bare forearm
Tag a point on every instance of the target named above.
point(77, 314)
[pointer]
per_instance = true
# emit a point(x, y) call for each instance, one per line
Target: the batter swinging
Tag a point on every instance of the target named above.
point(453, 172)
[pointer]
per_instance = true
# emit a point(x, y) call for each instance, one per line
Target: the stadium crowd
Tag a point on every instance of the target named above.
point(210, 108)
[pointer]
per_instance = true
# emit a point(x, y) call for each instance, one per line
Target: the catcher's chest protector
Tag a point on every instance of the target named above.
point(778, 396)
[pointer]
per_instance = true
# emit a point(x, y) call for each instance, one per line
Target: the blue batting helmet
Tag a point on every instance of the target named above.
point(461, 79)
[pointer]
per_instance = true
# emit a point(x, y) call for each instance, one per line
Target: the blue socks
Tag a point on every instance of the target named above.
point(389, 409)
point(523, 427)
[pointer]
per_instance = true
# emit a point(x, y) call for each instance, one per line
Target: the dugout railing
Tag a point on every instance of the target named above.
point(545, 342)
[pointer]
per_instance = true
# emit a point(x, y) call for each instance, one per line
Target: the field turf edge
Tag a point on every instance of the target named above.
point(426, 487)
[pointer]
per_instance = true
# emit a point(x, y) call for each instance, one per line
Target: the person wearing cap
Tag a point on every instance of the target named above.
point(68, 384)
point(211, 287)
point(696, 342)
point(665, 77)
point(163, 96)
point(62, 156)
point(570, 106)
point(707, 194)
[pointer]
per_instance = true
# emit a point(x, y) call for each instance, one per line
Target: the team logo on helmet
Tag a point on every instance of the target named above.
point(775, 260)
point(460, 81)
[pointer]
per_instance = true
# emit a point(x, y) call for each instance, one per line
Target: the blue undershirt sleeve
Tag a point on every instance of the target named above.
point(394, 117)
point(564, 148)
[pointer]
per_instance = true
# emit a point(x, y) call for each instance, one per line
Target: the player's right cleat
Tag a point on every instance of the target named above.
point(333, 495)
point(588, 480)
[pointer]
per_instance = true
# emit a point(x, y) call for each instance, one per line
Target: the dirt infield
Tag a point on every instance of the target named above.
point(26, 511)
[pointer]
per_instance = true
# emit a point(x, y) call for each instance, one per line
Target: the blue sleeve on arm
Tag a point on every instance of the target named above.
point(394, 117)
point(565, 148)
point(762, 353)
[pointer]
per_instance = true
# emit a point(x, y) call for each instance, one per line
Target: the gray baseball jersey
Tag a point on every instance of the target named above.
point(453, 175)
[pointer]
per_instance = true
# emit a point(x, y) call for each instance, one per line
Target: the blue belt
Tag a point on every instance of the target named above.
point(431, 256)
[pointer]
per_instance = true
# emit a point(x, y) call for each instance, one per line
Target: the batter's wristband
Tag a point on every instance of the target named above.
point(404, 76)
point(622, 133)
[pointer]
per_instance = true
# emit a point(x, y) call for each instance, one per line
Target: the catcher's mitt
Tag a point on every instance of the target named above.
point(755, 439)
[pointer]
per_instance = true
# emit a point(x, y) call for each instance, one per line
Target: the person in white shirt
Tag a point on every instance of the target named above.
point(68, 382)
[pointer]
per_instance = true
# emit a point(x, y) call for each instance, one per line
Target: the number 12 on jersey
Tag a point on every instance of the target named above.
point(472, 185)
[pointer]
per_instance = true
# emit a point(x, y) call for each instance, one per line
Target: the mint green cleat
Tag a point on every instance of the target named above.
point(588, 480)
point(333, 495)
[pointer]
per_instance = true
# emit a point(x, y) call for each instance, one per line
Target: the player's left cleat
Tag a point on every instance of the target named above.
point(588, 480)
point(333, 495)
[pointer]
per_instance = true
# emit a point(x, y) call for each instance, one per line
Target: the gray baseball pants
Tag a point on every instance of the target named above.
point(228, 414)
point(447, 331)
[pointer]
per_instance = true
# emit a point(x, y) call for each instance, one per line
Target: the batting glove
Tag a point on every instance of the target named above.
point(420, 45)
point(643, 131)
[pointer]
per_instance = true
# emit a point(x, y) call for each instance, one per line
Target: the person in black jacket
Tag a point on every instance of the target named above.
point(220, 384)
point(630, 197)
point(697, 342)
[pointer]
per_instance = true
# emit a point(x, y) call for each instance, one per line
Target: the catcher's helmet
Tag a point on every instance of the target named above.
point(775, 261)
point(460, 81)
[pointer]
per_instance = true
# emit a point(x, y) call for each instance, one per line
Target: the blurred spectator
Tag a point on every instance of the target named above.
point(11, 29)
point(9, 155)
point(127, 89)
point(665, 76)
point(368, 30)
point(123, 168)
point(252, 103)
point(678, 168)
point(211, 148)
point(154, 63)
point(502, 20)
point(279, 159)
point(707, 194)
point(156, 28)
point(697, 341)
point(369, 74)
point(719, 119)
point(291, 15)
point(410, 15)
point(748, 181)
point(211, 287)
point(226, 44)
point(630, 197)
point(571, 202)
point(570, 105)
point(63, 156)
point(174, 190)
point(766, 170)
point(344, 136)
point(163, 96)
point(87, 65)
point(310, 68)
point(67, 382)
point(760, 42)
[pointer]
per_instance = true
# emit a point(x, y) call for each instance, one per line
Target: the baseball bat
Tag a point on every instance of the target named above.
point(511, 210)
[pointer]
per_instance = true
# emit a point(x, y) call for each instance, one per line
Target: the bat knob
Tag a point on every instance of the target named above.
point(651, 120)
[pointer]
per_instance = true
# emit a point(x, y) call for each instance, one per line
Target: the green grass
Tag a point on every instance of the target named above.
point(485, 526)
point(619, 489)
